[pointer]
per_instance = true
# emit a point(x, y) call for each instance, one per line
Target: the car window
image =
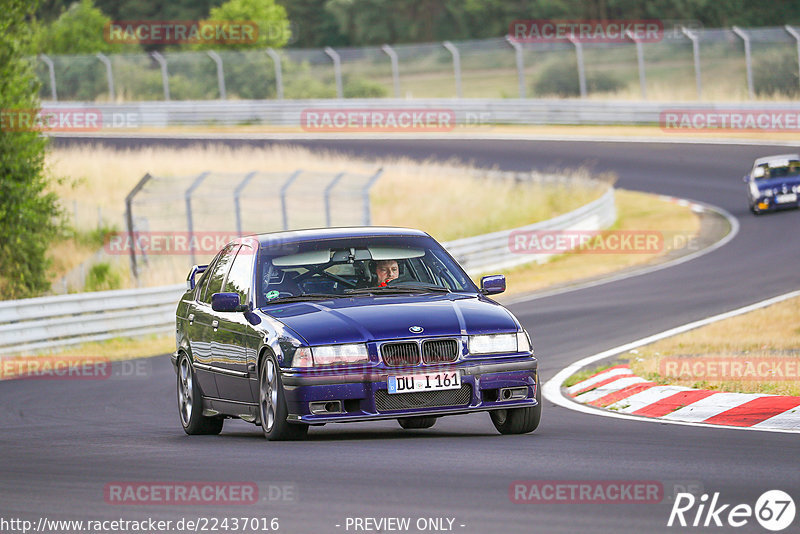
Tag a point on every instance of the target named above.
point(342, 265)
point(221, 266)
point(202, 283)
point(241, 274)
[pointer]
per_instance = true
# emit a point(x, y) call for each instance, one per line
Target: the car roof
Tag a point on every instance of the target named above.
point(313, 234)
point(773, 159)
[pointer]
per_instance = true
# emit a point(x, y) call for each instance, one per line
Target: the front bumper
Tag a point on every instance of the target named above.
point(363, 396)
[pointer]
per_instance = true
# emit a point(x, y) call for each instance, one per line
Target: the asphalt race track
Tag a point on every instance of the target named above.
point(64, 441)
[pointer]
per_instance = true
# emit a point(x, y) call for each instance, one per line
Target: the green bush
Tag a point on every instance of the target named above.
point(776, 74)
point(361, 88)
point(29, 216)
point(561, 79)
point(102, 277)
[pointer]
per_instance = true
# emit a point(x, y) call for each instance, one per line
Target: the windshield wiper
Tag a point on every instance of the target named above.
point(398, 289)
point(307, 296)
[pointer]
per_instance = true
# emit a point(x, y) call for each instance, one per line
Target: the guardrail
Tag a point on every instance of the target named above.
point(36, 324)
point(473, 112)
point(45, 322)
point(491, 252)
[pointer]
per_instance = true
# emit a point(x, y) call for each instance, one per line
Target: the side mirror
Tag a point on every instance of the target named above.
point(226, 302)
point(494, 284)
point(746, 178)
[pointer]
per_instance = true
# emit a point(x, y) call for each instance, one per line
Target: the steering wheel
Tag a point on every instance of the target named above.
point(312, 270)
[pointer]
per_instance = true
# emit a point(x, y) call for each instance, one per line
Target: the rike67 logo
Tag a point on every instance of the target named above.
point(774, 510)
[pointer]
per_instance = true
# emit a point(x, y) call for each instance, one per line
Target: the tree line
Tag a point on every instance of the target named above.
point(319, 23)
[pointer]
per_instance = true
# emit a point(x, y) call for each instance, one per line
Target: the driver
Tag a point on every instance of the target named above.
point(386, 271)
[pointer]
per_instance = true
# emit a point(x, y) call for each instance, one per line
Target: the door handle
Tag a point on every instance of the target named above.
point(214, 324)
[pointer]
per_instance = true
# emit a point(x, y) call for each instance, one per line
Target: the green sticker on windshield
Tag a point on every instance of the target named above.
point(272, 295)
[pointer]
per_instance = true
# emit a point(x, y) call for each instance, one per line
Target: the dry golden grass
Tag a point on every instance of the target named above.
point(441, 198)
point(450, 205)
point(445, 199)
point(635, 211)
point(772, 332)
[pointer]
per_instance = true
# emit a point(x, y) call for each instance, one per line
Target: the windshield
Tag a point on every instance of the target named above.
point(777, 170)
point(332, 268)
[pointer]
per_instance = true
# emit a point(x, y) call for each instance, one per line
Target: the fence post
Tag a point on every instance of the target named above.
point(109, 74)
point(337, 70)
point(796, 36)
point(52, 70)
point(129, 222)
point(395, 69)
point(164, 73)
point(520, 64)
point(581, 68)
point(456, 65)
point(640, 62)
point(276, 60)
point(328, 190)
point(696, 53)
point(236, 194)
point(220, 74)
point(747, 60)
point(365, 195)
point(284, 188)
point(189, 219)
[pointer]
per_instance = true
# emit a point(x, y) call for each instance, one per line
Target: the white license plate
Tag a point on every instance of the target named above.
point(789, 197)
point(424, 382)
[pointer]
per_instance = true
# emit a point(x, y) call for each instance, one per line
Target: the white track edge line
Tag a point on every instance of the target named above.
point(552, 388)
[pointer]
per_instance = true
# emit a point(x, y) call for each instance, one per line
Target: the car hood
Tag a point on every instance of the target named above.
point(360, 319)
point(780, 185)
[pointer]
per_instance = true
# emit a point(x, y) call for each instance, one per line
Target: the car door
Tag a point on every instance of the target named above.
point(236, 342)
point(203, 323)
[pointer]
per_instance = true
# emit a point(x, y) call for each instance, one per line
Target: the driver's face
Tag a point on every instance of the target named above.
point(386, 270)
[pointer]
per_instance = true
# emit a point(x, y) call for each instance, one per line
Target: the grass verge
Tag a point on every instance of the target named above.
point(769, 335)
point(446, 199)
point(635, 212)
point(583, 374)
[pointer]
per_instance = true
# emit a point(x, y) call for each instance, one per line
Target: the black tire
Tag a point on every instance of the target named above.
point(410, 423)
point(519, 420)
point(190, 403)
point(272, 405)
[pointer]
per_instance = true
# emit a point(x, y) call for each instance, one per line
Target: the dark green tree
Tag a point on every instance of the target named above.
point(78, 30)
point(29, 216)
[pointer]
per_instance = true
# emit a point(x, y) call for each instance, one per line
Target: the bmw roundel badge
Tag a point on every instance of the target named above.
point(416, 329)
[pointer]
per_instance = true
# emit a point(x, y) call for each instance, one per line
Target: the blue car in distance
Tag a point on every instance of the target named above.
point(308, 327)
point(773, 183)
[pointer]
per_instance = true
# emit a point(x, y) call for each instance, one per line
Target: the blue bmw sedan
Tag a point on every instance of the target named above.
point(293, 329)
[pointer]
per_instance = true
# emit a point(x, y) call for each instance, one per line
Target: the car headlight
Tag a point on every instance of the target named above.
point(524, 342)
point(339, 354)
point(302, 357)
point(492, 343)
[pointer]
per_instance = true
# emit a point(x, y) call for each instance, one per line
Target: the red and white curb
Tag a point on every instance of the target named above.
point(618, 389)
point(649, 402)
